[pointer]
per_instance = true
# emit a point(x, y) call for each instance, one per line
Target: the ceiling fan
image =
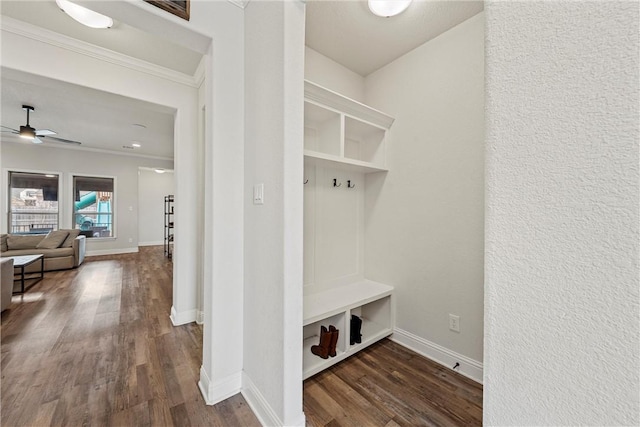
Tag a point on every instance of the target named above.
point(35, 135)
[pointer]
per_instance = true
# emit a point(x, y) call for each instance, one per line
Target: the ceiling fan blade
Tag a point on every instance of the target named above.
point(45, 132)
point(66, 141)
point(11, 129)
point(36, 140)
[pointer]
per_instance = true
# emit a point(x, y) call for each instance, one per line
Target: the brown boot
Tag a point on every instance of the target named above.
point(322, 350)
point(334, 340)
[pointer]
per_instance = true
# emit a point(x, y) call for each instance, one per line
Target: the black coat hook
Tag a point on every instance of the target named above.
point(306, 181)
point(335, 183)
point(349, 184)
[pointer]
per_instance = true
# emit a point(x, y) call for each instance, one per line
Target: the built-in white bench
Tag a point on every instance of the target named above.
point(369, 300)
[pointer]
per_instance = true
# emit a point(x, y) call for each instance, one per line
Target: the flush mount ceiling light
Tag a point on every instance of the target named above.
point(160, 170)
point(387, 8)
point(85, 16)
point(136, 145)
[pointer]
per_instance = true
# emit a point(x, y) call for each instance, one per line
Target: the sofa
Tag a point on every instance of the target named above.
point(6, 282)
point(62, 249)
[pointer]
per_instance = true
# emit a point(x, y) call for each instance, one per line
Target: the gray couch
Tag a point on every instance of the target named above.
point(6, 282)
point(62, 249)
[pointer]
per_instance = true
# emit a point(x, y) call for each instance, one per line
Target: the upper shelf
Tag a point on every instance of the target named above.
point(329, 98)
point(343, 133)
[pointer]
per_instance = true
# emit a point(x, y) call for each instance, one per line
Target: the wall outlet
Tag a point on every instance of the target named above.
point(130, 239)
point(454, 323)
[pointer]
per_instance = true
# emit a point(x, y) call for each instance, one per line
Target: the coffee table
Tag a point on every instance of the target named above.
point(22, 262)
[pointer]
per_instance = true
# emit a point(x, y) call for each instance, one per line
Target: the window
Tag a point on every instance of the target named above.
point(33, 204)
point(93, 206)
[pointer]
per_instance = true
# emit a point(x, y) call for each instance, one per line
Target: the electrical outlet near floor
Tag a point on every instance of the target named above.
point(454, 323)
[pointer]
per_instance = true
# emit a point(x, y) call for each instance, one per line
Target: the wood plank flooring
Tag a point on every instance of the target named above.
point(389, 385)
point(94, 346)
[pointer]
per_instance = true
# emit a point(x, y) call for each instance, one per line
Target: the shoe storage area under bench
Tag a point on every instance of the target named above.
point(370, 301)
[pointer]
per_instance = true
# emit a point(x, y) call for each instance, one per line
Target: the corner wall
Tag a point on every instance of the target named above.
point(329, 74)
point(274, 74)
point(424, 218)
point(562, 290)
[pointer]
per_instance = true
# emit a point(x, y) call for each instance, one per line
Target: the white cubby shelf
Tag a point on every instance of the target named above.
point(369, 300)
point(340, 132)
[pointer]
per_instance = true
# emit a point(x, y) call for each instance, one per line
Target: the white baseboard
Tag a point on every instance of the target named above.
point(157, 243)
point(183, 317)
point(468, 367)
point(258, 404)
point(223, 389)
point(97, 252)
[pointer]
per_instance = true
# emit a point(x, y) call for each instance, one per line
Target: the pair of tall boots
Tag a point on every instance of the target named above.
point(356, 327)
point(328, 342)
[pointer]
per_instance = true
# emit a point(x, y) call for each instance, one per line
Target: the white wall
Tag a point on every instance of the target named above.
point(152, 187)
point(217, 30)
point(331, 75)
point(68, 162)
point(274, 72)
point(562, 289)
point(424, 218)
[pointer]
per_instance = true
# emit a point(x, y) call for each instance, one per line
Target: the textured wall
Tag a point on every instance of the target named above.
point(561, 298)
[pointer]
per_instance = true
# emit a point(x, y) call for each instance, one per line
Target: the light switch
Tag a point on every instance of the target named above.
point(258, 194)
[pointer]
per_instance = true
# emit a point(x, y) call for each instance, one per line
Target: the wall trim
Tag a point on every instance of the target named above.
point(53, 144)
point(200, 317)
point(59, 40)
point(221, 390)
point(155, 243)
point(183, 317)
point(468, 367)
point(98, 252)
point(258, 404)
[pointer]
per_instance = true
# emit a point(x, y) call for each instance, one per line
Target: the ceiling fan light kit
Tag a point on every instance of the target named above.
point(85, 16)
point(34, 135)
point(387, 8)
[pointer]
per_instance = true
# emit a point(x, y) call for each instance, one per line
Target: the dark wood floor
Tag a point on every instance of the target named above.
point(389, 385)
point(95, 347)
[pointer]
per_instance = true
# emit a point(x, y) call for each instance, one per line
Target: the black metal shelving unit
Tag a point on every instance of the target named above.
point(168, 226)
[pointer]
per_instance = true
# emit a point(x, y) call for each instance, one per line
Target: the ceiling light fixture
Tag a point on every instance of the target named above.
point(387, 8)
point(136, 145)
point(160, 170)
point(27, 132)
point(85, 16)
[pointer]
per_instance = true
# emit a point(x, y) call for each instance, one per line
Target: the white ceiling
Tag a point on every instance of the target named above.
point(347, 32)
point(120, 37)
point(98, 120)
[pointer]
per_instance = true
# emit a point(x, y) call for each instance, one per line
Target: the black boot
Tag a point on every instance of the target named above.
point(356, 326)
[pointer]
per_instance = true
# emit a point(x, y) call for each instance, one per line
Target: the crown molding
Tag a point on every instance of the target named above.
point(63, 146)
point(52, 38)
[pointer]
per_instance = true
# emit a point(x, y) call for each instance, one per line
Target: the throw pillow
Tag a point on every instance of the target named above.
point(3, 243)
point(17, 241)
point(68, 243)
point(53, 240)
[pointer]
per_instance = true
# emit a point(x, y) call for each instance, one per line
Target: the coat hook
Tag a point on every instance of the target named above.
point(349, 184)
point(335, 183)
point(306, 181)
